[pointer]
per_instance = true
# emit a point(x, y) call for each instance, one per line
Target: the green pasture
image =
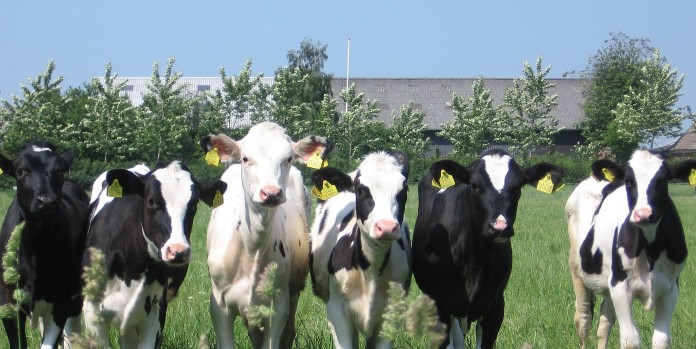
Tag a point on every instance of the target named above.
point(539, 297)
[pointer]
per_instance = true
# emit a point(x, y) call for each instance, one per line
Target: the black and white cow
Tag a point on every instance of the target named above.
point(628, 246)
point(264, 220)
point(462, 256)
point(360, 245)
point(53, 210)
point(144, 235)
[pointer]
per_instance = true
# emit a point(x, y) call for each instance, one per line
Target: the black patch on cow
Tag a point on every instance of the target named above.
point(346, 220)
point(364, 203)
point(591, 263)
point(347, 254)
point(282, 249)
point(401, 244)
point(618, 273)
point(386, 260)
point(322, 221)
point(148, 305)
point(275, 245)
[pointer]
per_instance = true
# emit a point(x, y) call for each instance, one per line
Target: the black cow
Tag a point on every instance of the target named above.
point(53, 210)
point(461, 249)
point(144, 235)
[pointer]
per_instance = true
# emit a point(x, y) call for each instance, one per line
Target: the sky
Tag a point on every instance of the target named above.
point(423, 39)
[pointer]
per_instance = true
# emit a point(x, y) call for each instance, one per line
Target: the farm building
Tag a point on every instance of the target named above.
point(685, 146)
point(429, 95)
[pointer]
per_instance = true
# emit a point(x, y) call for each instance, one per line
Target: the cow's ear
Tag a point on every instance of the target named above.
point(542, 171)
point(457, 172)
point(685, 171)
point(401, 159)
point(68, 156)
point(227, 148)
point(607, 170)
point(333, 176)
point(7, 166)
point(310, 146)
point(209, 191)
point(128, 182)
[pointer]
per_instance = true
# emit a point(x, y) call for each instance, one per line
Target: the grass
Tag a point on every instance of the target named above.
point(539, 297)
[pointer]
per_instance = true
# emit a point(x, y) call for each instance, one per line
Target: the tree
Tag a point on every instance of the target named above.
point(107, 128)
point(164, 128)
point(525, 120)
point(471, 129)
point(38, 115)
point(647, 111)
point(242, 99)
point(406, 131)
point(356, 128)
point(613, 71)
point(310, 61)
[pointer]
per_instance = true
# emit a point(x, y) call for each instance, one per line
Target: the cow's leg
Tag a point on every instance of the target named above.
point(607, 317)
point(584, 305)
point(289, 332)
point(95, 326)
point(623, 301)
point(458, 330)
point(129, 338)
point(223, 323)
point(664, 309)
point(377, 342)
point(490, 325)
point(150, 329)
point(52, 332)
point(16, 335)
point(274, 330)
point(342, 330)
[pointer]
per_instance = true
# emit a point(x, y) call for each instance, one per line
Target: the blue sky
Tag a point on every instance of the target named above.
point(388, 38)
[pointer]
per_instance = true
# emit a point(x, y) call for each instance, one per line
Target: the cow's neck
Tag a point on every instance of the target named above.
point(257, 225)
point(376, 252)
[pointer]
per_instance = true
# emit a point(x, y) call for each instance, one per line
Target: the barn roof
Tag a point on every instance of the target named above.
point(431, 95)
point(686, 143)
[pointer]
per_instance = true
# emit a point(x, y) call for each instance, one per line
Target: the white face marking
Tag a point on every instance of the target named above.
point(497, 168)
point(382, 175)
point(267, 149)
point(176, 185)
point(39, 149)
point(645, 166)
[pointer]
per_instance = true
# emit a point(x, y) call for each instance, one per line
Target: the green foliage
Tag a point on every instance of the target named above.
point(356, 132)
point(38, 115)
point(525, 120)
point(647, 112)
point(406, 132)
point(419, 317)
point(471, 128)
point(268, 289)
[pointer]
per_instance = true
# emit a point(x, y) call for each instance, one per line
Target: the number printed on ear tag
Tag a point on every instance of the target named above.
point(608, 174)
point(115, 190)
point(315, 161)
point(546, 185)
point(212, 157)
point(327, 191)
point(446, 180)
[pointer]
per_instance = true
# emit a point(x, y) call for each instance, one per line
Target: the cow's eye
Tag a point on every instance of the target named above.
point(476, 189)
point(245, 159)
point(151, 203)
point(289, 159)
point(22, 172)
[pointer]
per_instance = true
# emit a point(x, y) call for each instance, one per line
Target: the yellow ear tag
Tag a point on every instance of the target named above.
point(446, 180)
point(608, 174)
point(327, 192)
point(546, 185)
point(212, 157)
point(692, 177)
point(323, 164)
point(115, 190)
point(315, 161)
point(1, 171)
point(218, 200)
point(558, 187)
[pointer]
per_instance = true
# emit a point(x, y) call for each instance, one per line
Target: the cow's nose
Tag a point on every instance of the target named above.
point(45, 202)
point(177, 253)
point(386, 229)
point(500, 224)
point(271, 194)
point(642, 215)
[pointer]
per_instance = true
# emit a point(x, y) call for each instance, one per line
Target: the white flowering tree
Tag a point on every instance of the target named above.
point(648, 111)
point(406, 131)
point(471, 128)
point(525, 120)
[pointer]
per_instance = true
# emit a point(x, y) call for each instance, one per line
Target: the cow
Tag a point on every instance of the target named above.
point(360, 244)
point(263, 221)
point(144, 233)
point(53, 210)
point(462, 257)
point(627, 243)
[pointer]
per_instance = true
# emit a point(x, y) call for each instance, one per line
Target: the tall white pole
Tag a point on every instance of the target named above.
point(348, 71)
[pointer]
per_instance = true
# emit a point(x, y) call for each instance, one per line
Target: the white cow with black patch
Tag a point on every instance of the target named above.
point(144, 234)
point(360, 245)
point(263, 220)
point(627, 243)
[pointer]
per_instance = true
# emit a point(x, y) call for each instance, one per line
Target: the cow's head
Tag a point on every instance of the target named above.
point(645, 178)
point(494, 183)
point(39, 170)
point(380, 187)
point(266, 154)
point(170, 197)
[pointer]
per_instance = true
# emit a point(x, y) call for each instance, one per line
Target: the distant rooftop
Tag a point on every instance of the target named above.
point(430, 95)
